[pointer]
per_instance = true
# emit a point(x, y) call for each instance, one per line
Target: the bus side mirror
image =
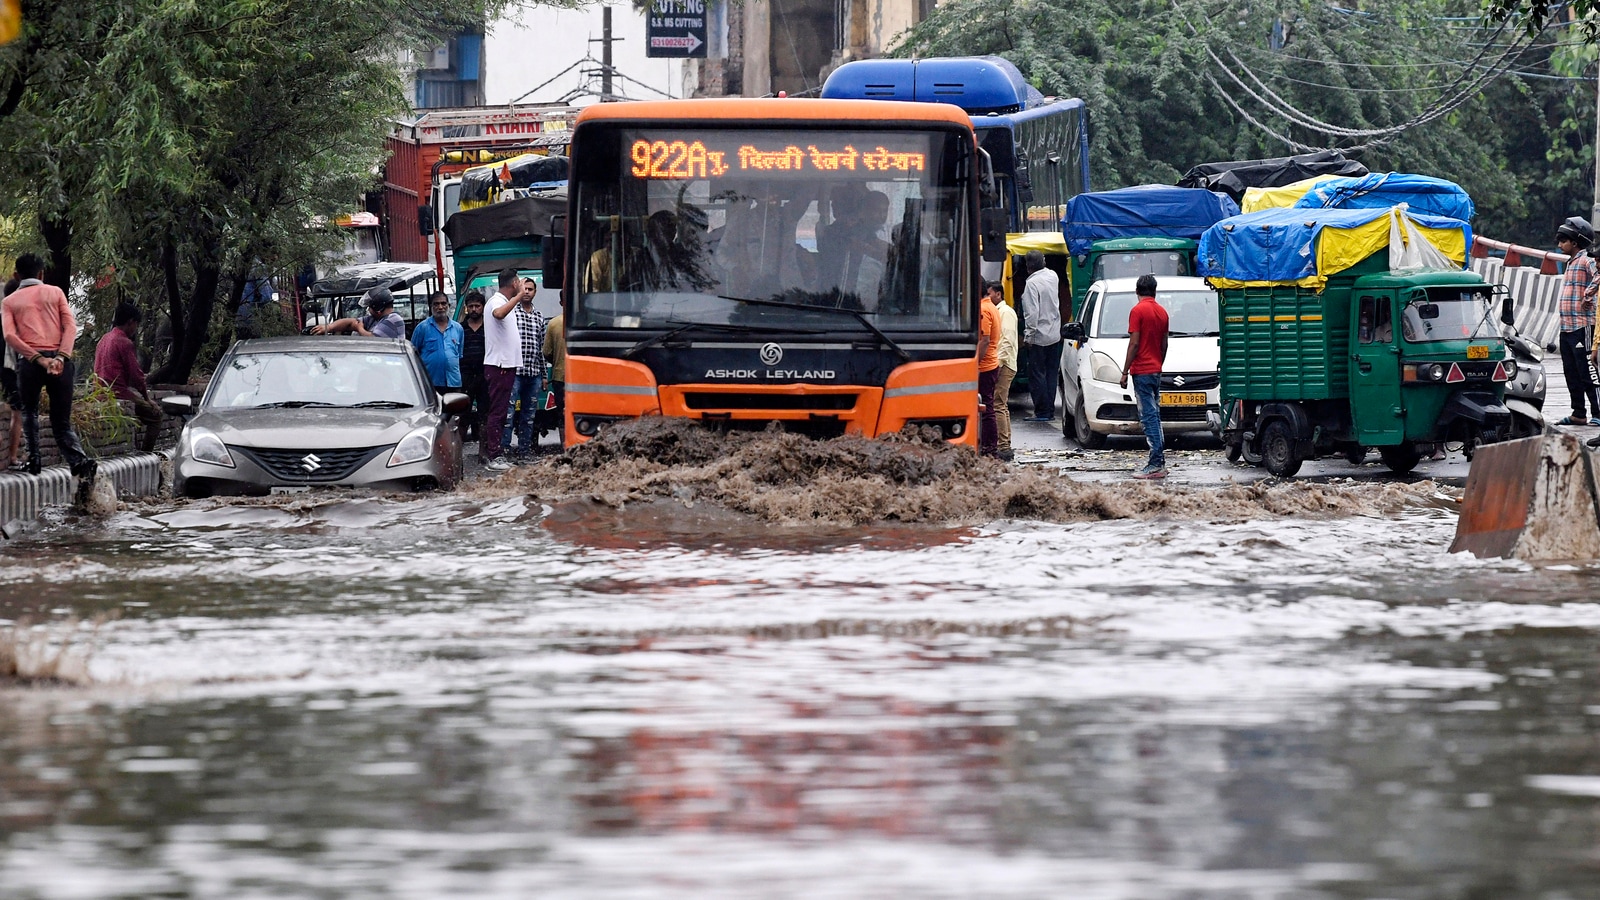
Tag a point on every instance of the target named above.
point(1505, 311)
point(554, 262)
point(993, 224)
point(425, 223)
point(989, 195)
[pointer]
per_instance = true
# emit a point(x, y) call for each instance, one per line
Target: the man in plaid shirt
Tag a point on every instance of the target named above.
point(530, 375)
point(1577, 304)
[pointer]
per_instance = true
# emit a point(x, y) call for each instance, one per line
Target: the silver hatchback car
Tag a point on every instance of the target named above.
point(298, 412)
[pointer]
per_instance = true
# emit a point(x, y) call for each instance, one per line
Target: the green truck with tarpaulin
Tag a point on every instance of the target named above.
point(1344, 329)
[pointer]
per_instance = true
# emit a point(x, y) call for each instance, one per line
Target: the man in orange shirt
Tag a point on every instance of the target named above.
point(989, 368)
point(1147, 352)
point(39, 325)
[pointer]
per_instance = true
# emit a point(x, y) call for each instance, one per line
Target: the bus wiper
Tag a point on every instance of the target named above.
point(858, 314)
point(668, 335)
point(292, 404)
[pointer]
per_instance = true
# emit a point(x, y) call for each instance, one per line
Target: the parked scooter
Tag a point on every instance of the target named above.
point(1525, 390)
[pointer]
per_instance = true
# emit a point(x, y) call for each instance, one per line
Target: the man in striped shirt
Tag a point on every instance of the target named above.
point(1577, 304)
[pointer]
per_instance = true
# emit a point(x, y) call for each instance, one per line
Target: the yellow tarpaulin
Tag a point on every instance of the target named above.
point(1340, 248)
point(10, 20)
point(1279, 197)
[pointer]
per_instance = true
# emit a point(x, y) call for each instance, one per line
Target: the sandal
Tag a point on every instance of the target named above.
point(1568, 420)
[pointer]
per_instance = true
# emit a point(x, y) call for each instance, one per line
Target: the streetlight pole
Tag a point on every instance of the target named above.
point(1594, 210)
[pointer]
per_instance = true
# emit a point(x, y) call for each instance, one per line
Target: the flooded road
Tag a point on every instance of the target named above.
point(460, 697)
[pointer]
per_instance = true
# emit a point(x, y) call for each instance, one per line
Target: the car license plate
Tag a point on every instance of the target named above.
point(1478, 351)
point(296, 489)
point(1183, 398)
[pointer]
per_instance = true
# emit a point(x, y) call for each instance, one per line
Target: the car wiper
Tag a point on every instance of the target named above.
point(292, 404)
point(836, 310)
point(381, 404)
point(668, 335)
point(1192, 333)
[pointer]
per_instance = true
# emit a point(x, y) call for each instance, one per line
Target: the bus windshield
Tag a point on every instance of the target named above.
point(675, 225)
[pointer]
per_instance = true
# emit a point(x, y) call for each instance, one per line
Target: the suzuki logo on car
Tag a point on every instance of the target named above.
point(310, 462)
point(771, 354)
point(1178, 381)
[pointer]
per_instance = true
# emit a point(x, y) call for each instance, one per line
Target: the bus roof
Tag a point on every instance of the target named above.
point(996, 120)
point(775, 109)
point(977, 84)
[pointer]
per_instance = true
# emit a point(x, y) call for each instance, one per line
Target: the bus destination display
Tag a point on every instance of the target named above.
point(660, 158)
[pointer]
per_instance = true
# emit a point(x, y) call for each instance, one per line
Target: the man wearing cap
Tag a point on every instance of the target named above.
point(40, 327)
point(380, 321)
point(116, 362)
point(1576, 304)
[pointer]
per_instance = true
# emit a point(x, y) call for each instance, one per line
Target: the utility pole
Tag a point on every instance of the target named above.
point(605, 62)
point(1594, 211)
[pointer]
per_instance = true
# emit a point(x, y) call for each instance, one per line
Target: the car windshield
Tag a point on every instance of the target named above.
point(1446, 315)
point(1189, 313)
point(675, 226)
point(336, 378)
point(1133, 263)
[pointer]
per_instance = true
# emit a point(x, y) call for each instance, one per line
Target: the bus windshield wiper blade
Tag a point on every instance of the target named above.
point(836, 310)
point(668, 335)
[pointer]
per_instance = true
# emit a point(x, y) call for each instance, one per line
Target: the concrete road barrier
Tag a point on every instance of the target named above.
point(1533, 499)
point(22, 495)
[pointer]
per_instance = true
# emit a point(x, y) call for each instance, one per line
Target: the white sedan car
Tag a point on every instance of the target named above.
point(1094, 402)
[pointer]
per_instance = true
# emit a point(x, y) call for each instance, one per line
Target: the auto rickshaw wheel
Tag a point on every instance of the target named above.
point(1400, 458)
point(1087, 437)
point(1236, 450)
point(1279, 449)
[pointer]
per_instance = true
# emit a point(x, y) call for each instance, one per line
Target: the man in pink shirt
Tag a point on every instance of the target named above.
point(40, 327)
point(116, 362)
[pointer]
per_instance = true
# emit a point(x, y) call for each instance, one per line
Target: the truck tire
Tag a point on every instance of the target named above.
point(1087, 438)
point(1235, 451)
point(1356, 455)
point(1280, 452)
point(1400, 458)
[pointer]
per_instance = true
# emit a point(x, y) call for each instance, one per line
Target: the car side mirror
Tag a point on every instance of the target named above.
point(1506, 315)
point(1073, 331)
point(456, 404)
point(178, 405)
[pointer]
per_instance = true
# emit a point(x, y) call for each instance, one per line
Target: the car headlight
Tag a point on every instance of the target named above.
point(206, 447)
point(413, 448)
point(1104, 368)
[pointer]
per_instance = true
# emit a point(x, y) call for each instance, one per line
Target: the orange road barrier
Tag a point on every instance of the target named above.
point(1533, 499)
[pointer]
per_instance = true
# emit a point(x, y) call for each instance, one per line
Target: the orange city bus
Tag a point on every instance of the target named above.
point(743, 262)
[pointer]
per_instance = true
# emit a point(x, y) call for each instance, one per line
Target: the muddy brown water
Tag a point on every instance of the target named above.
point(640, 676)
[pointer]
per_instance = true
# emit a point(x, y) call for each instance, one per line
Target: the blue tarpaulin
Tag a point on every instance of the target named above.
point(1381, 190)
point(1288, 245)
point(1150, 210)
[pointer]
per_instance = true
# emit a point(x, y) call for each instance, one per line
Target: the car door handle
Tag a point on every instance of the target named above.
point(1366, 368)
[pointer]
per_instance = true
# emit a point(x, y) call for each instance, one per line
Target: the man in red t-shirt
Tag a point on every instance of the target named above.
point(1147, 350)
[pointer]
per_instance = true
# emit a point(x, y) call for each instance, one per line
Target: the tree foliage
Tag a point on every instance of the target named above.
point(1159, 79)
point(158, 149)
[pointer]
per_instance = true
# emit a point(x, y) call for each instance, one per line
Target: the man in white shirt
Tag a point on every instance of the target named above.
point(502, 354)
point(1041, 313)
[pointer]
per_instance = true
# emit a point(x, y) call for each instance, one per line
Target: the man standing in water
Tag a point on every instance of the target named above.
point(502, 356)
point(1147, 352)
point(1008, 372)
point(988, 368)
point(1041, 309)
point(472, 364)
point(529, 382)
point(438, 342)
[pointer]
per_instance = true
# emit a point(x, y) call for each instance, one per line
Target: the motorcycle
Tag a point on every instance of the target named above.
point(1525, 390)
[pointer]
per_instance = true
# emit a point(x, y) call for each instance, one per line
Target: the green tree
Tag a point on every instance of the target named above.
point(1411, 85)
point(163, 147)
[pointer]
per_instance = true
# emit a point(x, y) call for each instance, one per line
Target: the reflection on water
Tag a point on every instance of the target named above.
point(457, 698)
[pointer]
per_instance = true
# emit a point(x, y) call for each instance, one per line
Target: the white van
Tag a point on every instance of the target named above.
point(1094, 402)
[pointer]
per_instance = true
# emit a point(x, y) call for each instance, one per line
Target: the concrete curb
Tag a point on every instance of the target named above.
point(22, 495)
